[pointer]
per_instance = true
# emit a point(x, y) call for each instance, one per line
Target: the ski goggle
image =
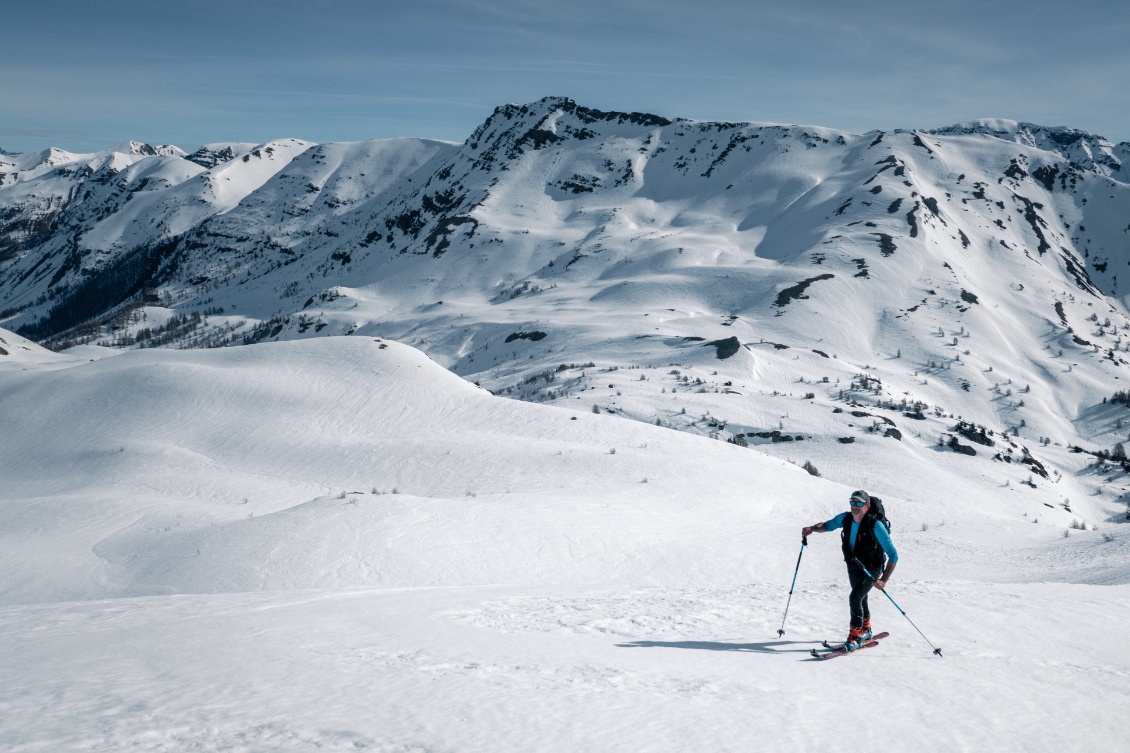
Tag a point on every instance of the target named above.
point(857, 502)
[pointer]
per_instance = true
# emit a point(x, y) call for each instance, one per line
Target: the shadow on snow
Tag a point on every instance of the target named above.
point(773, 647)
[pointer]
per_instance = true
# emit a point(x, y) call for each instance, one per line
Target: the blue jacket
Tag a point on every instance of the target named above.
point(881, 534)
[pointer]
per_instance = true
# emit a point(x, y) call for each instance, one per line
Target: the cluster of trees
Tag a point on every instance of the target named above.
point(119, 281)
point(1116, 454)
point(974, 433)
point(174, 329)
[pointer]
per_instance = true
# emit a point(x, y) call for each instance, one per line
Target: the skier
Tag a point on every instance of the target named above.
point(869, 541)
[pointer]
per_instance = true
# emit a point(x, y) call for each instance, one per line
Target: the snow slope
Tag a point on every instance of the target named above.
point(335, 543)
point(20, 353)
point(906, 309)
point(207, 462)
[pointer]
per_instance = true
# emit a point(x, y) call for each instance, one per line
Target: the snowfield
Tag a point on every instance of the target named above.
point(337, 544)
point(407, 445)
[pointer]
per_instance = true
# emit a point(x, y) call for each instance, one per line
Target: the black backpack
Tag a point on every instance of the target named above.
point(879, 512)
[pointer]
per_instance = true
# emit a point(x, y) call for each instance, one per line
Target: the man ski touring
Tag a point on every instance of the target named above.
point(868, 540)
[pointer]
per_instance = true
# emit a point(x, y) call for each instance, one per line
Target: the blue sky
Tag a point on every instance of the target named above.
point(85, 75)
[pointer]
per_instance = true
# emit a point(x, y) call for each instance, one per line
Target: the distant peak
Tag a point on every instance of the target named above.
point(1025, 133)
point(548, 105)
point(139, 148)
point(999, 127)
point(170, 150)
point(210, 155)
point(1082, 147)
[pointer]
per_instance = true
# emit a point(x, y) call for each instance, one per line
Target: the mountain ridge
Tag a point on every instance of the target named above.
point(967, 275)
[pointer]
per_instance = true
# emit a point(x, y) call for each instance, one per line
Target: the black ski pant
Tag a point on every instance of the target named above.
point(857, 600)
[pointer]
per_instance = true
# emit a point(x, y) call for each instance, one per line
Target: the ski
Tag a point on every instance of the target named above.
point(841, 652)
point(840, 646)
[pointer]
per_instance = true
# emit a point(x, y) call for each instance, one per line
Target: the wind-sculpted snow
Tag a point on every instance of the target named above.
point(336, 544)
point(336, 462)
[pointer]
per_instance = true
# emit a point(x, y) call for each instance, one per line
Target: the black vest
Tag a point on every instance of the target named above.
point(867, 547)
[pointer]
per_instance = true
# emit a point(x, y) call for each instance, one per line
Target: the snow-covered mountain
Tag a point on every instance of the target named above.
point(950, 297)
point(342, 543)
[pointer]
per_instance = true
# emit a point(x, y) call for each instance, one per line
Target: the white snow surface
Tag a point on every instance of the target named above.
point(20, 353)
point(337, 544)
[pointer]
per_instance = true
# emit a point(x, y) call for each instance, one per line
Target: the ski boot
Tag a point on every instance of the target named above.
point(865, 634)
point(854, 639)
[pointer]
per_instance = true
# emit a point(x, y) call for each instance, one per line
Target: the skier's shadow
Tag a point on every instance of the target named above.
point(771, 647)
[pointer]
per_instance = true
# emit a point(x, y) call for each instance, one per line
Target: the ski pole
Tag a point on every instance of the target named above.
point(803, 544)
point(866, 572)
